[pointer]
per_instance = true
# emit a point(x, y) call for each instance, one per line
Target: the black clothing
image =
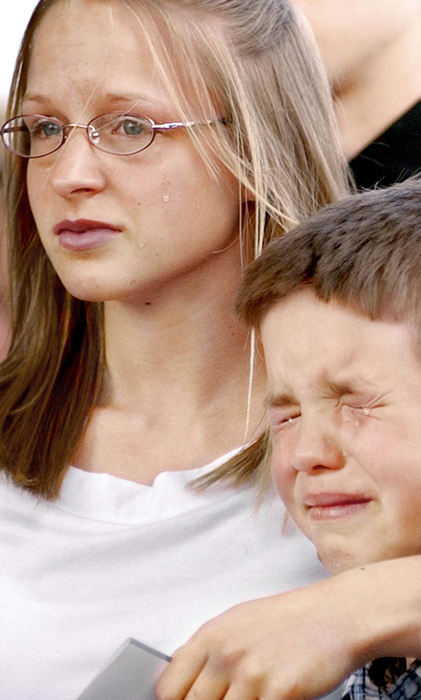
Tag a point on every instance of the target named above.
point(393, 156)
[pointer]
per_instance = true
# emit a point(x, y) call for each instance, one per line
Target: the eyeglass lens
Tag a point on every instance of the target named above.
point(33, 136)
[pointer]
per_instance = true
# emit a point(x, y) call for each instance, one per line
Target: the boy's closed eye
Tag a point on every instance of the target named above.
point(359, 407)
point(282, 417)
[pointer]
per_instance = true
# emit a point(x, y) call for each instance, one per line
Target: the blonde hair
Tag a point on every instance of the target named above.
point(251, 62)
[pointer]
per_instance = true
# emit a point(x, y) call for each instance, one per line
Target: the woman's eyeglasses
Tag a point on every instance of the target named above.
point(35, 135)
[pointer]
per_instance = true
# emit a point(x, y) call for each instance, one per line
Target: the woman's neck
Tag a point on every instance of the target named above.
point(191, 351)
point(183, 335)
point(177, 379)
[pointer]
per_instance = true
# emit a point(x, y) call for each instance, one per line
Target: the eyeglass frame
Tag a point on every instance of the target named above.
point(167, 126)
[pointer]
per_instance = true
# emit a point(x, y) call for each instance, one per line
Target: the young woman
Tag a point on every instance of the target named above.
point(154, 147)
point(128, 373)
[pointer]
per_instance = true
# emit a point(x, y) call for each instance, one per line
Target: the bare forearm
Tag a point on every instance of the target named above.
point(385, 607)
point(303, 643)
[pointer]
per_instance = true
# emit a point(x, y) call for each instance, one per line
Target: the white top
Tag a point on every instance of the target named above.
point(113, 559)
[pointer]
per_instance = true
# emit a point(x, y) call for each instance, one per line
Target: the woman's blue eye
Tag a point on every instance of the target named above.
point(45, 129)
point(131, 127)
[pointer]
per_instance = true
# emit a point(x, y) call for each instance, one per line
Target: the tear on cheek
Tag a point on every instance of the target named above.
point(354, 416)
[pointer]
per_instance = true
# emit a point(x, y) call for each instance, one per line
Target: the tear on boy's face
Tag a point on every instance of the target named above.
point(345, 413)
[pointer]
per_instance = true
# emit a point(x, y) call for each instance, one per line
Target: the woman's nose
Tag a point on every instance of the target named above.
point(77, 169)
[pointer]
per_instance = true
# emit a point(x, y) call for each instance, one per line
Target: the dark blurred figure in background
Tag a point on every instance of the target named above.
point(372, 53)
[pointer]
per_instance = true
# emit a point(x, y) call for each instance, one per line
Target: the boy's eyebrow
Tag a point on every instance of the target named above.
point(341, 387)
point(279, 399)
point(334, 388)
point(346, 386)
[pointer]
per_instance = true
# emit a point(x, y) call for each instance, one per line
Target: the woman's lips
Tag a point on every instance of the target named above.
point(329, 506)
point(84, 234)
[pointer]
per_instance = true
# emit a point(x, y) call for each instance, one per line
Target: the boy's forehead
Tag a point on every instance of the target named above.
point(302, 314)
point(309, 341)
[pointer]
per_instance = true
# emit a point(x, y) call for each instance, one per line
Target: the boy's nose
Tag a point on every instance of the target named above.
point(316, 447)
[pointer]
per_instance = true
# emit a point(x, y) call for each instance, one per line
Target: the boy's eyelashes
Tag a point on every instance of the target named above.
point(361, 405)
point(281, 418)
point(354, 413)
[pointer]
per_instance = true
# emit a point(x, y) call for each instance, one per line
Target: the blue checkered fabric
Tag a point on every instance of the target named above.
point(361, 686)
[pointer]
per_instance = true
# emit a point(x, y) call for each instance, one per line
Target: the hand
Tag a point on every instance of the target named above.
point(265, 649)
point(303, 643)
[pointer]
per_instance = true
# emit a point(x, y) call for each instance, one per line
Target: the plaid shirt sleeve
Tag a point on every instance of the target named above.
point(361, 686)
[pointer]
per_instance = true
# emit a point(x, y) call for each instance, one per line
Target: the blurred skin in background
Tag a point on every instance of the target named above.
point(372, 53)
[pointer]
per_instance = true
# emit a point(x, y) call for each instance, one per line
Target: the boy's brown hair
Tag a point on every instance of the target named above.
point(363, 251)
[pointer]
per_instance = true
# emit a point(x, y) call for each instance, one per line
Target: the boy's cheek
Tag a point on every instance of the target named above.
point(283, 478)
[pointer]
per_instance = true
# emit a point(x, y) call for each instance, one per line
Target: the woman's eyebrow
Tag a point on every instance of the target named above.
point(33, 97)
point(132, 98)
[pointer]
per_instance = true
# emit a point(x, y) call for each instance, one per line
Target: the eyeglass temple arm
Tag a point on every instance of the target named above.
point(176, 125)
point(12, 129)
point(173, 125)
